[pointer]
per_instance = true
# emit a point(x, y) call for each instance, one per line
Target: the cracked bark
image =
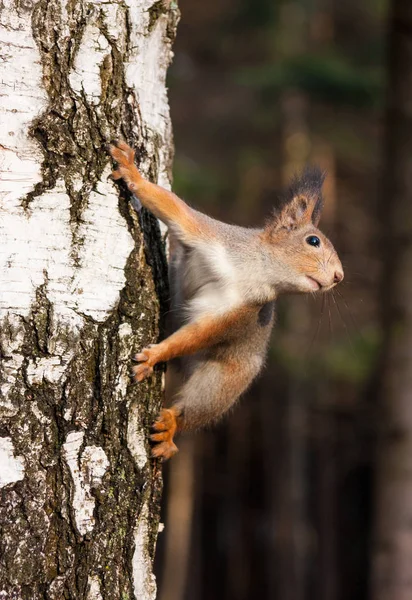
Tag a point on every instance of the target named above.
point(82, 283)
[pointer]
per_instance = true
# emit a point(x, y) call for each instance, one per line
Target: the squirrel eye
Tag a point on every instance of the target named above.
point(313, 240)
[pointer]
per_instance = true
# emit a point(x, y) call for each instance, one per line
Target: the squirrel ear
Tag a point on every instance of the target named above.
point(303, 201)
point(294, 214)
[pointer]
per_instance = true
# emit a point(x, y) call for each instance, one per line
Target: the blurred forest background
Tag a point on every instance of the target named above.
point(305, 491)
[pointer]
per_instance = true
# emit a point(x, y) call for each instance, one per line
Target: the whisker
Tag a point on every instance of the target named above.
point(315, 336)
point(355, 324)
point(344, 323)
point(330, 320)
point(318, 260)
point(330, 256)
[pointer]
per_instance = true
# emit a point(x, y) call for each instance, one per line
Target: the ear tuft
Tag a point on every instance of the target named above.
point(303, 200)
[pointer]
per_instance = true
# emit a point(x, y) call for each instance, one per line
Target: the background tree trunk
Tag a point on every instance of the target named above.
point(392, 569)
point(82, 277)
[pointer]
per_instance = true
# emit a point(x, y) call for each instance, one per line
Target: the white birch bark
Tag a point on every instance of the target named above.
point(80, 278)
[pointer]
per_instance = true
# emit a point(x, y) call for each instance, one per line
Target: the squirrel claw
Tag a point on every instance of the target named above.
point(142, 371)
point(126, 169)
point(130, 153)
point(122, 153)
point(159, 437)
point(164, 451)
point(165, 427)
point(116, 175)
point(146, 360)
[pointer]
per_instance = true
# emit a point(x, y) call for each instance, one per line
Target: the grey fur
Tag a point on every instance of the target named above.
point(227, 278)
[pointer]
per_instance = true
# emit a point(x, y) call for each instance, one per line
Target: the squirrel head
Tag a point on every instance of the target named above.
point(305, 259)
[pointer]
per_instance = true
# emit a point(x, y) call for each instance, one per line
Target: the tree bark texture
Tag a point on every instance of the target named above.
point(82, 278)
point(392, 561)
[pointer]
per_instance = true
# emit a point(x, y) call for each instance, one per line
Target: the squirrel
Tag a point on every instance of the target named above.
point(224, 280)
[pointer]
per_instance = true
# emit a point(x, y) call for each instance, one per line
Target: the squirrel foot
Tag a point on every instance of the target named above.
point(165, 425)
point(126, 169)
point(147, 359)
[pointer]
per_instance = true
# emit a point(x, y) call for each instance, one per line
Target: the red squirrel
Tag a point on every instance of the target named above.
point(224, 280)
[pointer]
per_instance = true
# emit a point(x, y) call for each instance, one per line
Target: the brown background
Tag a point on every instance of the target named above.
point(277, 501)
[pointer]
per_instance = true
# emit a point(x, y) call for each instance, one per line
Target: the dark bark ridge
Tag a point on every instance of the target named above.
point(42, 552)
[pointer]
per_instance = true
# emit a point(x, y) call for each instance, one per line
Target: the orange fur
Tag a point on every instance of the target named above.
point(166, 425)
point(234, 274)
point(163, 204)
point(189, 339)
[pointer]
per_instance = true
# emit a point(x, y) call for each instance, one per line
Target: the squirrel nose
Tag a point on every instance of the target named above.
point(338, 277)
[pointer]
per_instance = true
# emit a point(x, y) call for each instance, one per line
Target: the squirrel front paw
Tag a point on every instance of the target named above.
point(147, 359)
point(126, 169)
point(165, 426)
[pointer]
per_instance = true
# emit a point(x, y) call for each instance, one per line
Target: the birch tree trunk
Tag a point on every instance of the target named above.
point(392, 560)
point(80, 277)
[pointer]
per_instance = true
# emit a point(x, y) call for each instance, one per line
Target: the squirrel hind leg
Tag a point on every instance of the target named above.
point(165, 428)
point(213, 388)
point(209, 392)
